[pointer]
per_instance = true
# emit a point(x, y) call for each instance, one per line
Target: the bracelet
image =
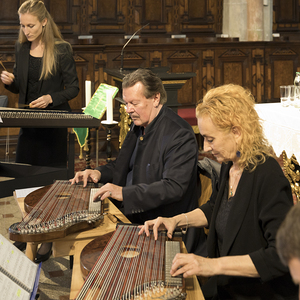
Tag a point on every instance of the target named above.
point(187, 225)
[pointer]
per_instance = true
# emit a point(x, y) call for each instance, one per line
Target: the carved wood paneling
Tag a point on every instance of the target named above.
point(234, 67)
point(257, 74)
point(260, 66)
point(283, 62)
point(102, 19)
point(286, 13)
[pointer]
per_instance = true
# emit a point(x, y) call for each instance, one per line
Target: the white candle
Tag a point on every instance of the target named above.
point(109, 107)
point(88, 92)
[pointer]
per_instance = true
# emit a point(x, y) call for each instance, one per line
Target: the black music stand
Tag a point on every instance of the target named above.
point(20, 176)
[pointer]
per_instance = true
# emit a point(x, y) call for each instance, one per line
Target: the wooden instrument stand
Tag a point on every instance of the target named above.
point(74, 243)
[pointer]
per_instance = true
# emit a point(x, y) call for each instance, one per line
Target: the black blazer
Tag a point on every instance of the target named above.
point(164, 181)
point(262, 199)
point(62, 86)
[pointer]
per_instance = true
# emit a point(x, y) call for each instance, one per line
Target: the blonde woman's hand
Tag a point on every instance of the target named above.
point(157, 224)
point(191, 264)
point(7, 78)
point(41, 102)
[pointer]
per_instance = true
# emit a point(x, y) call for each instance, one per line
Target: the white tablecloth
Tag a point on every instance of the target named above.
point(281, 127)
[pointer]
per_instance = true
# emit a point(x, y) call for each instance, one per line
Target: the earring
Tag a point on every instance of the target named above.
point(238, 153)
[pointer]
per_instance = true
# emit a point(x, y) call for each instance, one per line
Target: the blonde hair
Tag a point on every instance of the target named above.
point(231, 106)
point(51, 35)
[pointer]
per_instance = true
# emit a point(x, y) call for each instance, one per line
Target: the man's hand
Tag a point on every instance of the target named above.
point(109, 190)
point(86, 176)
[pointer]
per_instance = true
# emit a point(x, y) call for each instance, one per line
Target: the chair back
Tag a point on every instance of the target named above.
point(3, 101)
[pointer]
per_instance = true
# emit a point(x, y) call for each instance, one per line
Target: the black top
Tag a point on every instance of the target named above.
point(33, 78)
point(222, 217)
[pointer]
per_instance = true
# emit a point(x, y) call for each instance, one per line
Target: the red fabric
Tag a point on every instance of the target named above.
point(188, 114)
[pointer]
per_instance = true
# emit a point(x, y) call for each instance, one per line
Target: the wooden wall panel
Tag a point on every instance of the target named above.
point(234, 67)
point(9, 11)
point(197, 10)
point(283, 64)
point(154, 11)
point(260, 66)
point(107, 10)
point(286, 18)
point(258, 74)
point(233, 73)
point(284, 75)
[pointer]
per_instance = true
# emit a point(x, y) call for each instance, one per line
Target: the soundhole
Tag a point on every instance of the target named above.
point(130, 251)
point(63, 195)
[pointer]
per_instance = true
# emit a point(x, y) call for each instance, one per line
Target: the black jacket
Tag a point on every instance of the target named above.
point(262, 199)
point(164, 179)
point(61, 86)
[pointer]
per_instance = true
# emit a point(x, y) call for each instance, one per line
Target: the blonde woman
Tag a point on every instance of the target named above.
point(45, 77)
point(245, 209)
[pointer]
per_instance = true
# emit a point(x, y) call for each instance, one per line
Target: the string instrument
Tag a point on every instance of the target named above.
point(14, 117)
point(57, 210)
point(134, 267)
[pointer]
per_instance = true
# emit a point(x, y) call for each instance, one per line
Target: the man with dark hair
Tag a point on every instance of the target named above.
point(155, 173)
point(288, 242)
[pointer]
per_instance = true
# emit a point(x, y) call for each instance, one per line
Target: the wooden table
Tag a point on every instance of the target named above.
point(74, 243)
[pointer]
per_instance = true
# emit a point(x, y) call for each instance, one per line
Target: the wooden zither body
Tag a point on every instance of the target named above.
point(133, 266)
point(57, 210)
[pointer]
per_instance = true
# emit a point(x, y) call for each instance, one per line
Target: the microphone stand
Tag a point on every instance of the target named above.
point(122, 52)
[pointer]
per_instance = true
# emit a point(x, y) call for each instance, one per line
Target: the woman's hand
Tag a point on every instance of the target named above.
point(157, 224)
point(41, 102)
point(191, 264)
point(7, 78)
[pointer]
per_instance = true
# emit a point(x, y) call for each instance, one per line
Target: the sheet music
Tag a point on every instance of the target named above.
point(10, 290)
point(16, 263)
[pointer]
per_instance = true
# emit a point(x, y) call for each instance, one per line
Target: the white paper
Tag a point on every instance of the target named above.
point(10, 290)
point(22, 193)
point(17, 263)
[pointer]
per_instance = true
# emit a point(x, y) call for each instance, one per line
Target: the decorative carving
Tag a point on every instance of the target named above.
point(124, 124)
point(129, 55)
point(233, 52)
point(257, 58)
point(79, 58)
point(284, 51)
point(208, 60)
point(183, 55)
point(6, 58)
point(292, 172)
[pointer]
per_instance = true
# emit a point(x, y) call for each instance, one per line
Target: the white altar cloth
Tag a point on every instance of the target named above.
point(281, 126)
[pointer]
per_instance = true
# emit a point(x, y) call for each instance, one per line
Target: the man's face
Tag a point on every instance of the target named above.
point(294, 266)
point(141, 110)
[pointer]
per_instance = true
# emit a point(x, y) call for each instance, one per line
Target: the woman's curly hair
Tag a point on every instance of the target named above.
point(231, 106)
